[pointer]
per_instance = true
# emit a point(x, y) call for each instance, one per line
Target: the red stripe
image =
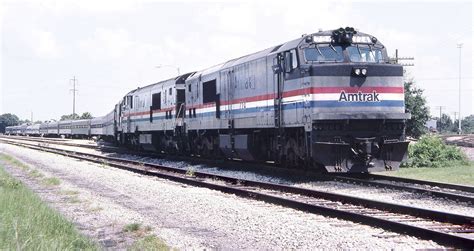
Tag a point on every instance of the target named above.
point(310, 90)
point(356, 89)
point(199, 106)
point(148, 112)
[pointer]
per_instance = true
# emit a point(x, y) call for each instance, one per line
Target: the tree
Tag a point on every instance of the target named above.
point(69, 117)
point(415, 103)
point(86, 115)
point(8, 119)
point(467, 124)
point(445, 124)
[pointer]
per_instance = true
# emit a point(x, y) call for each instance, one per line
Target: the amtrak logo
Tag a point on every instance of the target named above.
point(359, 97)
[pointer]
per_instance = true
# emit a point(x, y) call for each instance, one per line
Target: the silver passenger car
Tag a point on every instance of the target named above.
point(65, 128)
point(33, 130)
point(97, 126)
point(80, 128)
point(53, 129)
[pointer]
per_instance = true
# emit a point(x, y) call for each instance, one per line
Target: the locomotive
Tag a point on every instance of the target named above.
point(330, 100)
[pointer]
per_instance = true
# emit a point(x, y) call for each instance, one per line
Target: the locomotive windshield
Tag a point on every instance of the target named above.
point(324, 53)
point(364, 53)
point(354, 52)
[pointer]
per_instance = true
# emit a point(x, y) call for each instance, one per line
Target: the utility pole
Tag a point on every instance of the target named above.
point(440, 115)
point(459, 120)
point(74, 90)
point(397, 59)
point(31, 117)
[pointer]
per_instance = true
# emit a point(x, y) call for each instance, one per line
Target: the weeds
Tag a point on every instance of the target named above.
point(190, 172)
point(137, 229)
point(133, 227)
point(52, 181)
point(150, 242)
point(9, 183)
point(14, 161)
point(35, 174)
point(74, 199)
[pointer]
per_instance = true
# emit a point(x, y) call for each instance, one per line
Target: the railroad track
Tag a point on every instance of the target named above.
point(441, 190)
point(464, 140)
point(453, 192)
point(448, 229)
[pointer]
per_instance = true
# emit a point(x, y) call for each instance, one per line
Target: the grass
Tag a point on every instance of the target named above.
point(190, 172)
point(27, 223)
point(456, 174)
point(35, 174)
point(150, 242)
point(133, 227)
point(73, 199)
point(52, 181)
point(14, 161)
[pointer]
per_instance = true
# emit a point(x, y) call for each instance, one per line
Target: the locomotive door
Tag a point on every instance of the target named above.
point(278, 81)
point(228, 79)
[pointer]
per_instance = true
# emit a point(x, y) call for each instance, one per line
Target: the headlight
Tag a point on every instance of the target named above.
point(357, 71)
point(364, 72)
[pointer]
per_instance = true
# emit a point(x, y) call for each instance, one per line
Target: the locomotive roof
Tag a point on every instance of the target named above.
point(247, 58)
point(269, 51)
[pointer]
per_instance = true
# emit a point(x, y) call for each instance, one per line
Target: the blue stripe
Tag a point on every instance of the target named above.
point(296, 105)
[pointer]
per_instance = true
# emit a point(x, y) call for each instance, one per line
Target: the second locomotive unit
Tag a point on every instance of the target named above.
point(329, 100)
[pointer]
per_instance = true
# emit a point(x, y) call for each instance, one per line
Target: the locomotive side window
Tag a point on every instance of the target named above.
point(156, 101)
point(209, 91)
point(294, 61)
point(324, 53)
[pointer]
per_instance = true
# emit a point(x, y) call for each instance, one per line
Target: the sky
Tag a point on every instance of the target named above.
point(114, 46)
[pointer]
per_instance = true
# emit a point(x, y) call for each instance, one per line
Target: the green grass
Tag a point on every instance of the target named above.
point(14, 161)
point(52, 181)
point(150, 242)
point(456, 174)
point(133, 227)
point(35, 174)
point(27, 223)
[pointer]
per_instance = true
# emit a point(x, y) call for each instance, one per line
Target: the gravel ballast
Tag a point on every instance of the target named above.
point(106, 199)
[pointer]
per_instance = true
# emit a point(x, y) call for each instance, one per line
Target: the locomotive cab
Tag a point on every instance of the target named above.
point(358, 110)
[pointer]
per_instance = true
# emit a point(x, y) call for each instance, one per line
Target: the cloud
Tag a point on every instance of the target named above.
point(106, 44)
point(43, 44)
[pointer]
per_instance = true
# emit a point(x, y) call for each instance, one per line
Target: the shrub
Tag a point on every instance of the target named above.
point(133, 227)
point(431, 151)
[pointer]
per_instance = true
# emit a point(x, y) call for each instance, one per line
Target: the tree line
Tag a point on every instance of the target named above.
point(415, 103)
